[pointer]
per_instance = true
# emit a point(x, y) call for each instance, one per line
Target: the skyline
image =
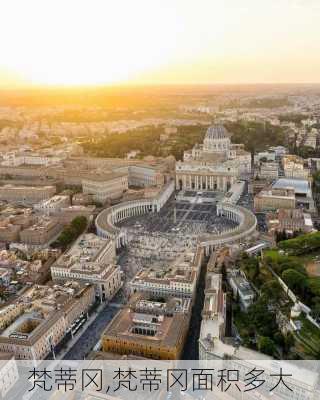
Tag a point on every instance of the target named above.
point(120, 42)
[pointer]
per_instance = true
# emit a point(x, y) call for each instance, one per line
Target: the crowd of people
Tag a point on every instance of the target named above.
point(157, 239)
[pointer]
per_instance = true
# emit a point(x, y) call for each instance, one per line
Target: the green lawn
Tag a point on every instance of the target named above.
point(309, 335)
point(314, 283)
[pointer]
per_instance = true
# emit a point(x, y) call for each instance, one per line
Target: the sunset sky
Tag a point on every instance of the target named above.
point(90, 42)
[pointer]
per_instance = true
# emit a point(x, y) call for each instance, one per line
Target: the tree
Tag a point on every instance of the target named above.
point(79, 224)
point(256, 135)
point(223, 271)
point(3, 295)
point(289, 341)
point(302, 244)
point(316, 308)
point(296, 118)
point(250, 265)
point(266, 345)
point(71, 232)
point(289, 263)
point(306, 152)
point(281, 235)
point(262, 317)
point(272, 290)
point(296, 281)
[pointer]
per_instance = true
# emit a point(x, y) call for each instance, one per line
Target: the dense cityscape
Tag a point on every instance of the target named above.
point(104, 256)
point(160, 200)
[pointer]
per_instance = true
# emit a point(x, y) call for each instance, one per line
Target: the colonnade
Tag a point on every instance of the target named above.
point(203, 182)
point(246, 227)
point(132, 211)
point(230, 214)
point(106, 220)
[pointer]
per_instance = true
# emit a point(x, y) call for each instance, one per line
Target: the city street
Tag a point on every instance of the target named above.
point(91, 334)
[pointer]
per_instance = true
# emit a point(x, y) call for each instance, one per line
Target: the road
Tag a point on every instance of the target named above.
point(88, 339)
point(85, 342)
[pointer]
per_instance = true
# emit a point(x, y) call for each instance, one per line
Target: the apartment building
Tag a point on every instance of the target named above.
point(9, 232)
point(294, 167)
point(48, 313)
point(273, 198)
point(145, 175)
point(177, 280)
point(269, 170)
point(106, 186)
point(90, 259)
point(45, 230)
point(289, 221)
point(53, 205)
point(26, 194)
point(213, 344)
point(14, 159)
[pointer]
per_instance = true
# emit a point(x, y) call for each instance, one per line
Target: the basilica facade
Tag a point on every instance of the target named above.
point(214, 165)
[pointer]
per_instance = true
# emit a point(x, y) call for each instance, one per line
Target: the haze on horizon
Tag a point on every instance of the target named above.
point(96, 42)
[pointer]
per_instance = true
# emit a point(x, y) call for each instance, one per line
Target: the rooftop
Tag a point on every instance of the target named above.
point(301, 186)
point(53, 200)
point(83, 255)
point(43, 223)
point(41, 306)
point(158, 329)
point(242, 284)
point(13, 187)
point(103, 177)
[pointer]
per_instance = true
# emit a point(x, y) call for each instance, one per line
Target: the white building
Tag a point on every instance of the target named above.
point(241, 288)
point(265, 155)
point(177, 280)
point(106, 186)
point(91, 260)
point(145, 175)
point(212, 344)
point(302, 192)
point(53, 205)
point(279, 151)
point(214, 165)
point(14, 159)
point(293, 167)
point(269, 170)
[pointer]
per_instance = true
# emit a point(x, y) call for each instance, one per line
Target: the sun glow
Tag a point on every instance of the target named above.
point(91, 42)
point(86, 42)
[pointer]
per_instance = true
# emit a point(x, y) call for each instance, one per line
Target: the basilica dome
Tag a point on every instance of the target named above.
point(217, 131)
